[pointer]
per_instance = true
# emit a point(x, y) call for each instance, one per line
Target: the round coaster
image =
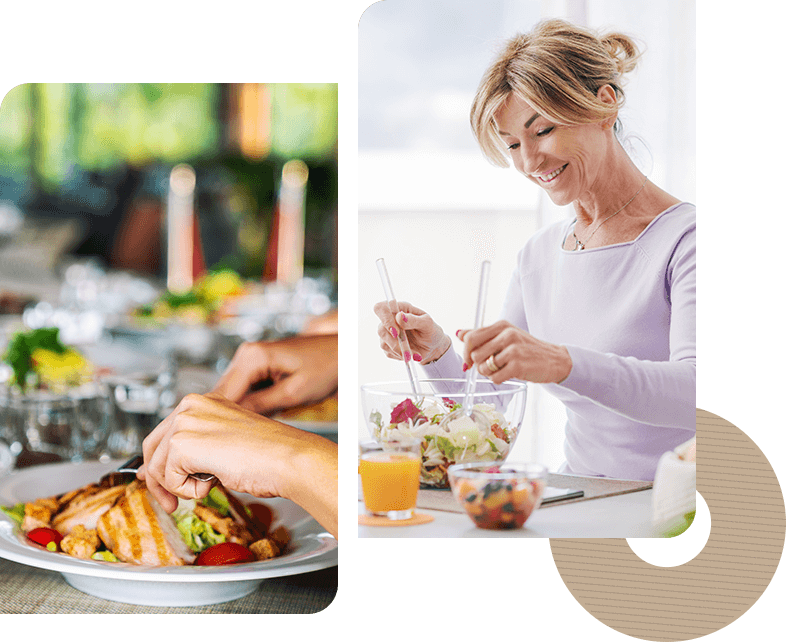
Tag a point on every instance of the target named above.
point(415, 520)
point(718, 585)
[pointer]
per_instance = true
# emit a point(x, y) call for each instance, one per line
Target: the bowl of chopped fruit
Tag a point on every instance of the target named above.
point(452, 426)
point(498, 497)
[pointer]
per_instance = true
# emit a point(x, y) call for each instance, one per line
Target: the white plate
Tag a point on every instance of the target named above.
point(311, 549)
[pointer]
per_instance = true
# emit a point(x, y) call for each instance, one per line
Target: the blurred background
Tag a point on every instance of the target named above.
point(434, 208)
point(157, 227)
point(91, 164)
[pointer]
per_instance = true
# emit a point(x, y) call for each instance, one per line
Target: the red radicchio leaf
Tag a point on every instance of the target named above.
point(403, 411)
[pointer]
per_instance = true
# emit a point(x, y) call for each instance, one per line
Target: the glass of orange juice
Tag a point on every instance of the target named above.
point(390, 477)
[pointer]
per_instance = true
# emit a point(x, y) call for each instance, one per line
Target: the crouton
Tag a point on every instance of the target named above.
point(264, 549)
point(38, 513)
point(281, 537)
point(81, 542)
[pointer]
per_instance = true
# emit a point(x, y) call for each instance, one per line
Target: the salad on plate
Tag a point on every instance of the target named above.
point(124, 523)
point(39, 360)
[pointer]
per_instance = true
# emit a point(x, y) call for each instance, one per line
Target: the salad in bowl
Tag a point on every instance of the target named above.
point(438, 417)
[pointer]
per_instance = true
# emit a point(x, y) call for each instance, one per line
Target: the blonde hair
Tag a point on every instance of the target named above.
point(557, 68)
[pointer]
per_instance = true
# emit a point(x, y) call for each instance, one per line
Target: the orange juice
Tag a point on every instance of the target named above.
point(390, 481)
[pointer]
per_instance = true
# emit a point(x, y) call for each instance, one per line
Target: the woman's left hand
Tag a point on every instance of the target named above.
point(517, 354)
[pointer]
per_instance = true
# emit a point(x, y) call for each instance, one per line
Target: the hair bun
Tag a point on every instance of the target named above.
point(623, 50)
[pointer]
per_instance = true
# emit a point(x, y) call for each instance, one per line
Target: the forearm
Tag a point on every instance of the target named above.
point(311, 479)
point(661, 393)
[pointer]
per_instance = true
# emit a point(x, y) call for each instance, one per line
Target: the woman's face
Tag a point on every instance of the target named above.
point(565, 160)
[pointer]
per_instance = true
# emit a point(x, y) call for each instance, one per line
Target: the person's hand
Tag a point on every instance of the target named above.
point(302, 370)
point(517, 354)
point(247, 452)
point(426, 339)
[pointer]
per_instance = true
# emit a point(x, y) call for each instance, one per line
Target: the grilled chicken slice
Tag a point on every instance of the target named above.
point(85, 507)
point(139, 531)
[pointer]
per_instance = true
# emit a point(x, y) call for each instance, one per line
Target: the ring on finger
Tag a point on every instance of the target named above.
point(491, 364)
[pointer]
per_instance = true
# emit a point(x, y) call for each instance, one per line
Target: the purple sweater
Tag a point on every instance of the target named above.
point(627, 315)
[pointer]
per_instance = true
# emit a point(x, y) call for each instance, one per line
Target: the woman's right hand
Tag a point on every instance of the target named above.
point(426, 338)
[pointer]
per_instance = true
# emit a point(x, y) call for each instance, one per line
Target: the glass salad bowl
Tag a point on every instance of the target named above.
point(498, 497)
point(437, 416)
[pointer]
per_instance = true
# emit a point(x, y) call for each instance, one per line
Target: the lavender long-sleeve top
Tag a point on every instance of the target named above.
point(627, 315)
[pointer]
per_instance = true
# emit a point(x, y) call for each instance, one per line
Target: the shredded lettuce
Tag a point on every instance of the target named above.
point(216, 499)
point(197, 533)
point(17, 513)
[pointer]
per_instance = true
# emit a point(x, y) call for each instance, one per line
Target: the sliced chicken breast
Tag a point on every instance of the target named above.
point(139, 531)
point(85, 508)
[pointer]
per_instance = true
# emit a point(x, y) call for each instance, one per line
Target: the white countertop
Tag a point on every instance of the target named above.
point(619, 516)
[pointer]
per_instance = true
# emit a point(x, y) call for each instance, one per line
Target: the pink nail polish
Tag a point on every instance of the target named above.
point(394, 332)
point(457, 332)
point(403, 318)
point(407, 356)
point(417, 357)
point(464, 367)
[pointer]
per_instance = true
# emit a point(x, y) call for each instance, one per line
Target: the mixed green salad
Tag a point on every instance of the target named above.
point(38, 359)
point(200, 304)
point(445, 439)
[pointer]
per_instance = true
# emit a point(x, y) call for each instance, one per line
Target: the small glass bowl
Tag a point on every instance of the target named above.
point(498, 497)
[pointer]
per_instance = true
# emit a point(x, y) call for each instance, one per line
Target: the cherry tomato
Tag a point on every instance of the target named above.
point(261, 513)
point(225, 553)
point(45, 536)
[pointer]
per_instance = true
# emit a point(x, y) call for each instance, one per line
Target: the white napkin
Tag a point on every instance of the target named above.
point(674, 488)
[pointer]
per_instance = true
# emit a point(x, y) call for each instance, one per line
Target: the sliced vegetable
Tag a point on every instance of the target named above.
point(261, 513)
point(104, 556)
point(226, 553)
point(46, 537)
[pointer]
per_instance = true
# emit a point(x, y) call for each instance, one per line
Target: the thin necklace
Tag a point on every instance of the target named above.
point(579, 244)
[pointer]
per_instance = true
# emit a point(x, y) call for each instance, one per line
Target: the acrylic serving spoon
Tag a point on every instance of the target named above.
point(470, 383)
point(403, 341)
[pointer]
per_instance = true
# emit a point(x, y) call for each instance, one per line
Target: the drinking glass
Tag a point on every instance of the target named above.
point(137, 403)
point(390, 478)
point(44, 423)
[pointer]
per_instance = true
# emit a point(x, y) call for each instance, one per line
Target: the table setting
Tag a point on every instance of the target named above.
point(438, 464)
point(78, 400)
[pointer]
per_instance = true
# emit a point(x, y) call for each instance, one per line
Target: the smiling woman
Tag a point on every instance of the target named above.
point(559, 70)
point(550, 103)
point(600, 309)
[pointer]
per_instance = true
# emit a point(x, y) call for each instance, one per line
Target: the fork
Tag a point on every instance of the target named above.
point(130, 468)
point(237, 509)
